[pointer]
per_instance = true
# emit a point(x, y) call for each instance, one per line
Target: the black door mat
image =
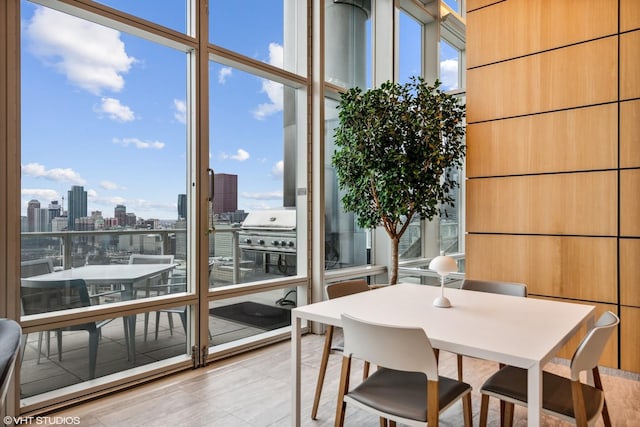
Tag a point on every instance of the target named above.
point(254, 314)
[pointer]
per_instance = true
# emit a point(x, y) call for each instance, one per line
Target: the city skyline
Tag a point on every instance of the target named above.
point(107, 110)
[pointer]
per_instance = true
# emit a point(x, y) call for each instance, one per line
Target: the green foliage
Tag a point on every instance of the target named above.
point(396, 146)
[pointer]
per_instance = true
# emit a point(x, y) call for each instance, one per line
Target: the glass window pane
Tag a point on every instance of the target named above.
point(410, 51)
point(103, 123)
point(270, 31)
point(347, 45)
point(346, 244)
point(255, 147)
point(245, 316)
point(170, 13)
point(449, 66)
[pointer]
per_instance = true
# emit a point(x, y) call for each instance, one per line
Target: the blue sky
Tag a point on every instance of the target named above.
point(104, 109)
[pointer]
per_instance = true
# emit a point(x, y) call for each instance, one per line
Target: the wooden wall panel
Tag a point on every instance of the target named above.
point(630, 65)
point(630, 133)
point(630, 202)
point(573, 76)
point(630, 272)
point(610, 354)
point(528, 26)
point(582, 268)
point(629, 15)
point(569, 140)
point(630, 339)
point(476, 4)
point(573, 204)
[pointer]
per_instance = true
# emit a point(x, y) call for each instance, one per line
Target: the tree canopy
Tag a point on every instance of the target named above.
point(396, 149)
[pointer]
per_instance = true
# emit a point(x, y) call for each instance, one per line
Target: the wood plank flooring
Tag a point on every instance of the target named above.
point(253, 390)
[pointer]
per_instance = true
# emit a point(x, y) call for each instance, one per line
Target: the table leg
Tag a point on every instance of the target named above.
point(534, 395)
point(296, 341)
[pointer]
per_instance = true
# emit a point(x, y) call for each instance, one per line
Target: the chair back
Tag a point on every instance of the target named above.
point(150, 259)
point(36, 267)
point(54, 295)
point(494, 287)
point(348, 287)
point(10, 333)
point(590, 349)
point(394, 347)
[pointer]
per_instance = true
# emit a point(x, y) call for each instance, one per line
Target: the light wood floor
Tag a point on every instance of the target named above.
point(254, 390)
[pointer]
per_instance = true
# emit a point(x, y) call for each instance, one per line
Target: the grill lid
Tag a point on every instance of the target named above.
point(272, 219)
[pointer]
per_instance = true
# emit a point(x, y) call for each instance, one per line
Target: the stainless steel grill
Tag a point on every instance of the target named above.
point(270, 235)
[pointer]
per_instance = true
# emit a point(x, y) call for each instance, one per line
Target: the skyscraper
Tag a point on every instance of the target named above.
point(77, 200)
point(182, 206)
point(120, 213)
point(31, 218)
point(225, 198)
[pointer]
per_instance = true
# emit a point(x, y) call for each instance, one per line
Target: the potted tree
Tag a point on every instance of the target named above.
point(396, 149)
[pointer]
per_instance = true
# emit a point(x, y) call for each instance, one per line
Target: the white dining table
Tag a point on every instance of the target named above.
point(522, 332)
point(125, 275)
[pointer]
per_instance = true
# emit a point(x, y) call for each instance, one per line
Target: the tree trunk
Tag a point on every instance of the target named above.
point(394, 261)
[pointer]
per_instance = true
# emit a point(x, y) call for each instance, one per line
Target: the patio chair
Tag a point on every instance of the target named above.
point(10, 333)
point(406, 388)
point(32, 268)
point(157, 284)
point(565, 398)
point(58, 295)
point(335, 290)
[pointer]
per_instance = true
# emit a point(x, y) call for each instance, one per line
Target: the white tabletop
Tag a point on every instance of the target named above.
point(523, 332)
point(108, 272)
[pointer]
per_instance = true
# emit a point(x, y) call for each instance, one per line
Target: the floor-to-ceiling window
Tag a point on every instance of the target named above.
point(347, 32)
point(124, 106)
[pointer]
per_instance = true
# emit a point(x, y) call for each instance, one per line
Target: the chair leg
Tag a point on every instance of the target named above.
point(365, 370)
point(484, 409)
point(321, 372)
point(170, 316)
point(344, 387)
point(597, 382)
point(508, 414)
point(467, 410)
point(93, 353)
point(146, 325)
point(59, 337)
point(459, 357)
point(157, 324)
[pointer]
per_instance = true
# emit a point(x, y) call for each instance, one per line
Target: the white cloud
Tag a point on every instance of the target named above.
point(57, 174)
point(272, 89)
point(115, 110)
point(449, 74)
point(91, 56)
point(44, 195)
point(278, 169)
point(181, 110)
point(138, 143)
point(109, 185)
point(224, 74)
point(268, 195)
point(92, 194)
point(241, 155)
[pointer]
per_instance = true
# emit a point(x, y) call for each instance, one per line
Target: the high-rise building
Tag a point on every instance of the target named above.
point(182, 206)
point(131, 219)
point(55, 209)
point(31, 218)
point(120, 213)
point(77, 200)
point(225, 198)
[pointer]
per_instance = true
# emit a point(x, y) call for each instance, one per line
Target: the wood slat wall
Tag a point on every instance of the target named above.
point(553, 157)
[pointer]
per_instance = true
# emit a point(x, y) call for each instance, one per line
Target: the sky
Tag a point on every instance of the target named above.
point(106, 110)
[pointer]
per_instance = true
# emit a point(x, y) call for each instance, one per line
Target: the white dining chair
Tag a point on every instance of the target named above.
point(406, 388)
point(565, 398)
